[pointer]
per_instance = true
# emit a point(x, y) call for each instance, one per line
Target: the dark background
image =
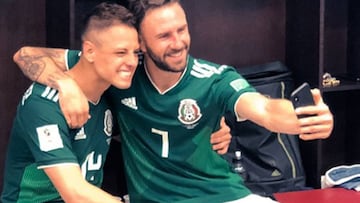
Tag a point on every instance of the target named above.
point(310, 37)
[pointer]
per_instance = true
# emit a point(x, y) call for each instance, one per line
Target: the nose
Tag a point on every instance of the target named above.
point(133, 59)
point(176, 42)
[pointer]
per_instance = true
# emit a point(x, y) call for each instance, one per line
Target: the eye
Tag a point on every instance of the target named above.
point(120, 53)
point(182, 29)
point(164, 36)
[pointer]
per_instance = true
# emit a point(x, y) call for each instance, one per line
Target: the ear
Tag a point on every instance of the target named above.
point(142, 44)
point(89, 51)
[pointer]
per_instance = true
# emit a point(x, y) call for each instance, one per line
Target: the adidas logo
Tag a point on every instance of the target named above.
point(80, 135)
point(130, 102)
point(275, 173)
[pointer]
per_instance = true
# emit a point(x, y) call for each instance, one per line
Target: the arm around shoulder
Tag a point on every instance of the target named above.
point(41, 64)
point(47, 66)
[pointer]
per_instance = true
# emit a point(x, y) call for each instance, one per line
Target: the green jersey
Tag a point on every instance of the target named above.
point(166, 135)
point(41, 138)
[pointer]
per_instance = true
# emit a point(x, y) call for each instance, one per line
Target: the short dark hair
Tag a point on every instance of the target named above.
point(105, 15)
point(140, 7)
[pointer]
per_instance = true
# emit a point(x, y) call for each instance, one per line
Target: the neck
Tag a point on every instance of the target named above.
point(163, 80)
point(88, 81)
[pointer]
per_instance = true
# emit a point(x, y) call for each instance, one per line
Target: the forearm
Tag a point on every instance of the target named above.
point(47, 66)
point(281, 117)
point(42, 65)
point(90, 194)
point(276, 115)
point(73, 188)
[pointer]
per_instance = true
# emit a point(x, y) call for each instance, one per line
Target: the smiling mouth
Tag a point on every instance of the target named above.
point(176, 55)
point(123, 73)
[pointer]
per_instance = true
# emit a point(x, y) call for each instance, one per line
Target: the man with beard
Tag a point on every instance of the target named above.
point(179, 101)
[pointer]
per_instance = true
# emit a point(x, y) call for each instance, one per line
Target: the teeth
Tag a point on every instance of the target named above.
point(176, 54)
point(124, 73)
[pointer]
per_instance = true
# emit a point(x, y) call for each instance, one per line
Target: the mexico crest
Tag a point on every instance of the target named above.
point(189, 112)
point(108, 122)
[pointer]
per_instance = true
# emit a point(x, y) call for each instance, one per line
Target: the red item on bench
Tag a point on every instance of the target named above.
point(328, 195)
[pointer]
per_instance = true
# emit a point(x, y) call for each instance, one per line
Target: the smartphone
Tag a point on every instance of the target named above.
point(302, 96)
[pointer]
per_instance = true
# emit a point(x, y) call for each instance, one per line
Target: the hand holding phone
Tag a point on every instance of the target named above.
point(302, 96)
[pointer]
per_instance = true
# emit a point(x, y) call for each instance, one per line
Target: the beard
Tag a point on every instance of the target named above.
point(162, 64)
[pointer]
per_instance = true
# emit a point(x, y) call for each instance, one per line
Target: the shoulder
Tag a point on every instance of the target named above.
point(71, 58)
point(201, 68)
point(40, 101)
point(40, 93)
point(222, 76)
point(39, 107)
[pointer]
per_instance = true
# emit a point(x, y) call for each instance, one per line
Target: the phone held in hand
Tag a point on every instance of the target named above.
point(302, 96)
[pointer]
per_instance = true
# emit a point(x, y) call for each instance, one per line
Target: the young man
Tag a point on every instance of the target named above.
point(46, 160)
point(179, 101)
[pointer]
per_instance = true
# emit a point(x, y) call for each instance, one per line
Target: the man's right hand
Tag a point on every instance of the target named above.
point(73, 103)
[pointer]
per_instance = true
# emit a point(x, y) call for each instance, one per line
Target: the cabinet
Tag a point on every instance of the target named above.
point(324, 36)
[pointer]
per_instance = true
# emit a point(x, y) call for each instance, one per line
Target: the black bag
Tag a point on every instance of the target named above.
point(272, 161)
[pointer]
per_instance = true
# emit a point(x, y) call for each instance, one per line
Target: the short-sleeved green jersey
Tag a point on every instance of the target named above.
point(166, 136)
point(40, 138)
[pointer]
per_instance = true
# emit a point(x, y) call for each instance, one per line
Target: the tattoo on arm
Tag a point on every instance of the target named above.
point(32, 66)
point(35, 63)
